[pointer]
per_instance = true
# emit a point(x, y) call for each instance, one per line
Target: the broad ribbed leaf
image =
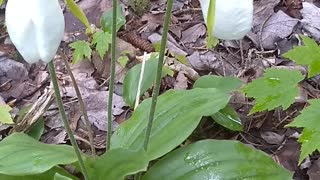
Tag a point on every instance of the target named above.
point(48, 175)
point(225, 84)
point(106, 20)
point(220, 160)
point(131, 81)
point(177, 114)
point(37, 130)
point(226, 117)
point(116, 164)
point(23, 155)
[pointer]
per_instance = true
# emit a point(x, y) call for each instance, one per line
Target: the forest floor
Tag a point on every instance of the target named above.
point(275, 28)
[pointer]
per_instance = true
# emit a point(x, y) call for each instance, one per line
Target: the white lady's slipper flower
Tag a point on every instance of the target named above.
point(233, 18)
point(35, 27)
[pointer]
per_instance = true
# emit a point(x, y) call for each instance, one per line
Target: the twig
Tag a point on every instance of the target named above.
point(261, 29)
point(80, 100)
point(65, 119)
point(112, 71)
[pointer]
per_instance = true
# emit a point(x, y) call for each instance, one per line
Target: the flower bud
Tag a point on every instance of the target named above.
point(233, 18)
point(35, 27)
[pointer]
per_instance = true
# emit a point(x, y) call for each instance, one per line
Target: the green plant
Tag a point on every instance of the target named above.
point(101, 39)
point(149, 135)
point(309, 55)
point(279, 87)
point(5, 114)
point(308, 119)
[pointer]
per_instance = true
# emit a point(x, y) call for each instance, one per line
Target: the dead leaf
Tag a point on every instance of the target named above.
point(314, 171)
point(54, 136)
point(181, 81)
point(310, 21)
point(95, 100)
point(288, 155)
point(15, 75)
point(193, 33)
point(272, 137)
point(278, 27)
point(203, 61)
point(156, 38)
point(262, 10)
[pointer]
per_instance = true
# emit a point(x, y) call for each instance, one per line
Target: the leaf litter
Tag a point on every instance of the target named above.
point(275, 27)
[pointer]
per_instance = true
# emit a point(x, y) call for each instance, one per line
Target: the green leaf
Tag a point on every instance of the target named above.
point(106, 20)
point(50, 174)
point(123, 61)
point(157, 46)
point(228, 118)
point(309, 55)
point(225, 84)
point(309, 120)
point(131, 80)
point(37, 129)
point(277, 88)
point(81, 50)
point(116, 164)
point(22, 112)
point(5, 116)
point(78, 13)
point(1, 2)
point(102, 40)
point(309, 117)
point(23, 155)
point(58, 176)
point(214, 159)
point(167, 71)
point(181, 58)
point(309, 140)
point(177, 114)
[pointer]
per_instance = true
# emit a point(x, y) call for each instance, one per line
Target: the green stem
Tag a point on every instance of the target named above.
point(81, 103)
point(112, 71)
point(156, 89)
point(65, 119)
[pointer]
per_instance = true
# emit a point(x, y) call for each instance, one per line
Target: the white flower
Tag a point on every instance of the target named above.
point(233, 18)
point(35, 27)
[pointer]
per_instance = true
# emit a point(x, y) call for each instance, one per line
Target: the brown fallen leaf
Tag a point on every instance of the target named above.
point(181, 81)
point(193, 33)
point(314, 170)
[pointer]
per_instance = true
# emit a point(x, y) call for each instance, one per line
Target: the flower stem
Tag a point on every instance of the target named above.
point(80, 100)
point(64, 118)
point(112, 71)
point(156, 89)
